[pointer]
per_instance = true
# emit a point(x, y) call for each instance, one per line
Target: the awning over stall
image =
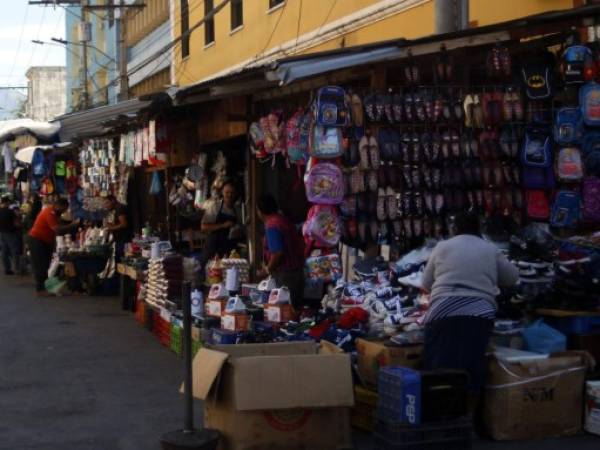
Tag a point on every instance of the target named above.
point(25, 155)
point(41, 130)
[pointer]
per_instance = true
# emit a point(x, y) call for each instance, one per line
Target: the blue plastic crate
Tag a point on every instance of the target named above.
point(399, 390)
point(226, 337)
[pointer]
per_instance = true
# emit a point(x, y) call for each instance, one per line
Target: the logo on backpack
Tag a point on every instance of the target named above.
point(591, 199)
point(537, 75)
point(569, 165)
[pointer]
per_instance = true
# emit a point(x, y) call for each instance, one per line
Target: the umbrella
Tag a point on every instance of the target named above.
point(25, 155)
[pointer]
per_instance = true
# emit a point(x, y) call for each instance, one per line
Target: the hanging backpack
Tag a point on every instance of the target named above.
point(71, 178)
point(566, 210)
point(324, 184)
point(568, 125)
point(256, 140)
point(298, 137)
point(537, 74)
point(46, 186)
point(590, 190)
point(330, 108)
point(569, 165)
point(538, 207)
point(323, 227)
point(537, 148)
point(273, 129)
point(60, 169)
point(326, 142)
point(578, 64)
point(589, 101)
point(38, 165)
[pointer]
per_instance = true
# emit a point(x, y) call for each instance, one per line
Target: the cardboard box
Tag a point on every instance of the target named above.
point(235, 322)
point(216, 308)
point(281, 396)
point(375, 354)
point(279, 313)
point(535, 398)
point(592, 407)
point(196, 334)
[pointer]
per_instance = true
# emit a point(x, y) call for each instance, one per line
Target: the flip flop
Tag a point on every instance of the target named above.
point(468, 109)
point(397, 108)
point(478, 120)
point(381, 204)
point(363, 151)
point(372, 180)
point(374, 156)
point(392, 204)
point(357, 111)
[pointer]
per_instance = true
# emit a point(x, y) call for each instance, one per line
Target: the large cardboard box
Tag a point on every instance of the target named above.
point(280, 396)
point(375, 354)
point(535, 398)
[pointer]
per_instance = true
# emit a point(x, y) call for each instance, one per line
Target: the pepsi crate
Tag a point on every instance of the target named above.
point(226, 337)
point(444, 435)
point(414, 397)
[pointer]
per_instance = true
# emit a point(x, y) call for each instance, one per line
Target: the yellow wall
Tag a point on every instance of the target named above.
point(486, 12)
point(265, 30)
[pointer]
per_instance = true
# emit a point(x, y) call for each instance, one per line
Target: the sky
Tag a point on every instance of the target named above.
point(19, 24)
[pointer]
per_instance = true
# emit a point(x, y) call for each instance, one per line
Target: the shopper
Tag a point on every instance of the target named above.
point(283, 250)
point(116, 223)
point(223, 223)
point(42, 237)
point(9, 236)
point(463, 275)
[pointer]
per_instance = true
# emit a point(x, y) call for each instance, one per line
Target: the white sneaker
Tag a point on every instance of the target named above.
point(415, 279)
point(235, 305)
point(279, 296)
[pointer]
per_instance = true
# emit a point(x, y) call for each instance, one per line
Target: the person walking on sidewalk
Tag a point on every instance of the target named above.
point(42, 238)
point(9, 236)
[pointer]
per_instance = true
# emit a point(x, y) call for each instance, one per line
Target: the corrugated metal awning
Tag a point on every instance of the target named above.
point(90, 123)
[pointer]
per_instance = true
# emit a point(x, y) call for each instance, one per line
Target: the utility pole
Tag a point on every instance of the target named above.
point(123, 77)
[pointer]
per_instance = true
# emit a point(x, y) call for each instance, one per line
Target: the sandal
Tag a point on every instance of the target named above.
point(381, 204)
point(408, 107)
point(392, 204)
point(388, 108)
point(372, 180)
point(420, 108)
point(478, 119)
point(369, 104)
point(357, 111)
point(397, 107)
point(374, 156)
point(468, 109)
point(363, 151)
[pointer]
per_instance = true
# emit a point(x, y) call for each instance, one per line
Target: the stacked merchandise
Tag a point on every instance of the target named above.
point(165, 277)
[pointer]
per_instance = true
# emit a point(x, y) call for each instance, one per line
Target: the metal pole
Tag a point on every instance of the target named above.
point(123, 78)
point(187, 355)
point(86, 100)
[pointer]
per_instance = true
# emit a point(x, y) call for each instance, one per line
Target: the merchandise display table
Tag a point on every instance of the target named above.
point(129, 276)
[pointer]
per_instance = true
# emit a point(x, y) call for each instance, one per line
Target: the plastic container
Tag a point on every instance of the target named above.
point(574, 325)
point(446, 435)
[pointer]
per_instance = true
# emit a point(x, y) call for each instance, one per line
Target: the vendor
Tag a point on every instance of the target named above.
point(463, 275)
point(222, 221)
point(116, 223)
point(283, 250)
point(42, 238)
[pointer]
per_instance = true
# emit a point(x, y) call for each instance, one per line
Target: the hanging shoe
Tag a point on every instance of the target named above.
point(468, 109)
point(381, 204)
point(392, 204)
point(363, 151)
point(372, 180)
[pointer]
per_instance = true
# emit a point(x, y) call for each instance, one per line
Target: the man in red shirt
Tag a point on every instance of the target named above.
point(42, 237)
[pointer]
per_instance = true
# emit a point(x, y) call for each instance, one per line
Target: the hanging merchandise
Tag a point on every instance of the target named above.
point(156, 186)
point(577, 64)
point(569, 166)
point(322, 228)
point(325, 268)
point(537, 74)
point(324, 184)
point(566, 211)
point(568, 125)
point(589, 101)
point(326, 142)
point(591, 199)
point(297, 137)
point(330, 108)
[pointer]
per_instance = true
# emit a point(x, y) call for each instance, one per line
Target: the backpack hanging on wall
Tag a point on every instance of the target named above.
point(536, 159)
point(326, 142)
point(590, 190)
point(589, 101)
point(298, 137)
point(323, 227)
point(330, 108)
point(568, 125)
point(324, 184)
point(569, 166)
point(578, 64)
point(537, 75)
point(538, 206)
point(566, 210)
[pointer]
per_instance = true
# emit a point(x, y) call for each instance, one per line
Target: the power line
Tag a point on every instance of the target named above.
point(19, 44)
point(33, 47)
point(61, 16)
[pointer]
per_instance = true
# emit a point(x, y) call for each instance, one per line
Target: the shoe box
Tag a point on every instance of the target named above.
point(235, 321)
point(279, 313)
point(535, 398)
point(216, 308)
point(304, 402)
point(371, 355)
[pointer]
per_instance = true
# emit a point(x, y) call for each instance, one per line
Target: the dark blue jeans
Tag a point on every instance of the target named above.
point(10, 251)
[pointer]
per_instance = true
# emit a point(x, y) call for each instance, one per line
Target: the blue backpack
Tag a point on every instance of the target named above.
point(589, 101)
point(578, 62)
point(38, 163)
point(568, 126)
point(566, 211)
point(330, 108)
point(537, 149)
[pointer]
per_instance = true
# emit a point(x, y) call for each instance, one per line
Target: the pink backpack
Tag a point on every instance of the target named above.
point(324, 184)
point(322, 228)
point(273, 128)
point(538, 206)
point(569, 165)
point(591, 199)
point(297, 137)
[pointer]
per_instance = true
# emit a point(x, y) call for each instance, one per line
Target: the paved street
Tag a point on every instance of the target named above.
point(77, 373)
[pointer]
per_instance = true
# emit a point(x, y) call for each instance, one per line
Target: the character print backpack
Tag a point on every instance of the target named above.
point(298, 137)
point(568, 126)
point(566, 210)
point(324, 184)
point(537, 75)
point(589, 101)
point(578, 64)
point(331, 108)
point(591, 199)
point(569, 165)
point(326, 142)
point(323, 227)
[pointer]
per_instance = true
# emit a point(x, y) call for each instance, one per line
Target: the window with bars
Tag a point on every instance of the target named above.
point(274, 3)
point(185, 26)
point(209, 24)
point(237, 14)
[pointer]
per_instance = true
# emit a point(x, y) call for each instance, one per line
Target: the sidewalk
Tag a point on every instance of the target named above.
point(78, 373)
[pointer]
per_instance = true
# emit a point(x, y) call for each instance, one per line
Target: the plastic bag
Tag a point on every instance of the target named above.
point(542, 338)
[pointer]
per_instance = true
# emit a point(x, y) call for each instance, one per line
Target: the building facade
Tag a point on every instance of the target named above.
point(249, 32)
point(46, 92)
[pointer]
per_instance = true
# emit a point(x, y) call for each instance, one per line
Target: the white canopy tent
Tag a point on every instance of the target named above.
point(25, 155)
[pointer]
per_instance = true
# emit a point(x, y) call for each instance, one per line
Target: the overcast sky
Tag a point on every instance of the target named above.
point(19, 24)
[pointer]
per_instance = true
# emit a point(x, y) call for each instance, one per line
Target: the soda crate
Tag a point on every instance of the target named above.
point(362, 414)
